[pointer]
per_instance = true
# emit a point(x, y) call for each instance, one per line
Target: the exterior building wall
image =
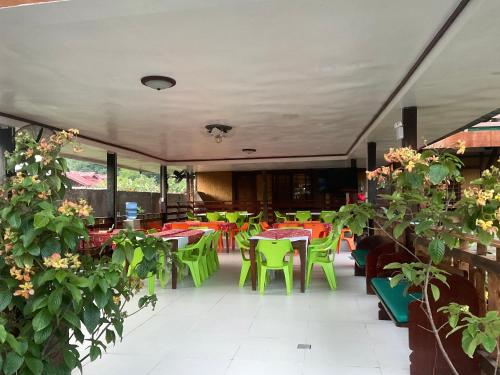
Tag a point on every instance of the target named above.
point(217, 186)
point(149, 202)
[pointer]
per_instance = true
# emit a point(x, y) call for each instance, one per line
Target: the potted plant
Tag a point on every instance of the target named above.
point(53, 299)
point(418, 199)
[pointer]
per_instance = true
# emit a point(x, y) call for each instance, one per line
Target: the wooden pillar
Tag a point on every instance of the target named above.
point(7, 143)
point(112, 173)
point(265, 197)
point(163, 193)
point(409, 120)
point(371, 184)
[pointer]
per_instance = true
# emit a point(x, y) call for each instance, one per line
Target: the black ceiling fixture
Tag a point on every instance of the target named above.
point(248, 150)
point(158, 82)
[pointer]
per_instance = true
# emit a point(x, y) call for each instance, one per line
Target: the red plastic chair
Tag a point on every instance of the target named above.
point(349, 238)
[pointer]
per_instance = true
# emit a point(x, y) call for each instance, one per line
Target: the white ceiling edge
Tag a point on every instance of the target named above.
point(400, 99)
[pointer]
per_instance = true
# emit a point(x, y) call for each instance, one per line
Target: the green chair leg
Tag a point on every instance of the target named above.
point(262, 280)
point(245, 267)
point(151, 284)
point(309, 273)
point(330, 274)
point(288, 281)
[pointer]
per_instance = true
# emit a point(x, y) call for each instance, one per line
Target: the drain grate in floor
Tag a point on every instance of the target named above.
point(304, 346)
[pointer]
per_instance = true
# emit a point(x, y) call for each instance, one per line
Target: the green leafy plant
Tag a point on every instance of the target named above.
point(418, 198)
point(54, 301)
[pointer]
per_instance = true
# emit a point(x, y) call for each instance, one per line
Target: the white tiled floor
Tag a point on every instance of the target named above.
point(222, 329)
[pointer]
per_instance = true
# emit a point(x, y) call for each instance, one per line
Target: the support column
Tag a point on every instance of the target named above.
point(7, 143)
point(163, 193)
point(409, 120)
point(265, 197)
point(371, 184)
point(112, 173)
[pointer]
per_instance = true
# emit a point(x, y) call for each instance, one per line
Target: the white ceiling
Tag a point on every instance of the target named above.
point(294, 78)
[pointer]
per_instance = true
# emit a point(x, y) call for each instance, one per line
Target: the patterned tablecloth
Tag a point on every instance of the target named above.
point(282, 234)
point(192, 235)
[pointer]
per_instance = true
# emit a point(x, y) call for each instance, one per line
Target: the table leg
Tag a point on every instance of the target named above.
point(227, 242)
point(232, 240)
point(253, 268)
point(174, 264)
point(302, 247)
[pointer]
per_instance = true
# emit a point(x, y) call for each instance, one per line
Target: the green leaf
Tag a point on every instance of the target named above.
point(5, 299)
point(423, 226)
point(118, 256)
point(29, 236)
point(42, 336)
point(395, 280)
point(400, 228)
point(436, 250)
point(41, 219)
point(484, 237)
point(12, 363)
point(71, 318)
point(91, 317)
point(435, 292)
point(3, 335)
point(43, 277)
point(95, 352)
point(489, 343)
point(15, 220)
point(41, 320)
point(101, 298)
point(54, 301)
point(437, 173)
point(75, 292)
point(50, 246)
point(110, 336)
point(69, 359)
point(35, 365)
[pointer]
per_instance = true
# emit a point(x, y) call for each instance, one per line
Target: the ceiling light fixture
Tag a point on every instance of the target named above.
point(158, 82)
point(218, 131)
point(248, 150)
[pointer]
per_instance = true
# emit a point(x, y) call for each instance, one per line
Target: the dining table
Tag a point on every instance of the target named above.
point(179, 239)
point(299, 238)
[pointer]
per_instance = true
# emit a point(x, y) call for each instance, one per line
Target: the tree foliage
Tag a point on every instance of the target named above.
point(54, 300)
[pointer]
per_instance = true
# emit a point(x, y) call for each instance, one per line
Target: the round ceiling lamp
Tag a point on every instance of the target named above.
point(248, 150)
point(158, 82)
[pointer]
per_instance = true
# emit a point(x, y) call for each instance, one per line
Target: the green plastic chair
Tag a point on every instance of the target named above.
point(256, 219)
point(191, 216)
point(323, 254)
point(325, 214)
point(191, 256)
point(234, 217)
point(213, 216)
point(303, 216)
point(254, 229)
point(280, 218)
point(271, 255)
point(244, 246)
point(212, 256)
point(161, 271)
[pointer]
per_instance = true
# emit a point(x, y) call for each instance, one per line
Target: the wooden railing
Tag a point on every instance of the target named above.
point(481, 265)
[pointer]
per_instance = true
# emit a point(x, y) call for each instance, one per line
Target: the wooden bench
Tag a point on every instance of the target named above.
point(365, 245)
point(394, 302)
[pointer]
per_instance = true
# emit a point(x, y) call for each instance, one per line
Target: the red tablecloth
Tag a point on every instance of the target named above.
point(278, 234)
point(97, 239)
point(180, 225)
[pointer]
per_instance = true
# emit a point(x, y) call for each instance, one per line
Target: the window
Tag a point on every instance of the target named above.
point(301, 187)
